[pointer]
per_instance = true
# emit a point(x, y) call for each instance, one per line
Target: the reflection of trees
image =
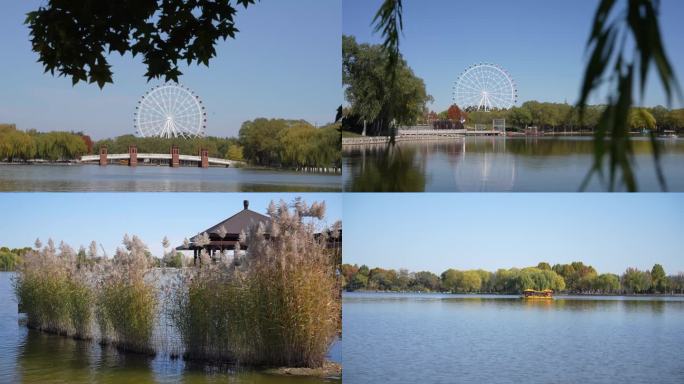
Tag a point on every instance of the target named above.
point(534, 146)
point(388, 169)
point(653, 306)
point(567, 304)
point(64, 359)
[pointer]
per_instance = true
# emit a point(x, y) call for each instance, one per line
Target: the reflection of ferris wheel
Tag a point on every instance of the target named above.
point(485, 87)
point(170, 110)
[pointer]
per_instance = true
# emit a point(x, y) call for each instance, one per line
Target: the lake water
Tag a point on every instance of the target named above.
point(87, 177)
point(478, 164)
point(29, 356)
point(433, 338)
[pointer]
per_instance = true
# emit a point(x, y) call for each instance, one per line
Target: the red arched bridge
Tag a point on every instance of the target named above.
point(174, 158)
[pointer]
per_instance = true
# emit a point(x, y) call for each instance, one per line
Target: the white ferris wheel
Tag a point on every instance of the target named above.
point(484, 87)
point(169, 111)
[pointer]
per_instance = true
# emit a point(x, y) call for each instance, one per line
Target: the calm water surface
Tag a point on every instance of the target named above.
point(28, 356)
point(477, 164)
point(87, 177)
point(430, 338)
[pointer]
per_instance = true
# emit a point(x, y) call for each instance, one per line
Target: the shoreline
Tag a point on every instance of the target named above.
point(356, 141)
point(305, 170)
point(568, 294)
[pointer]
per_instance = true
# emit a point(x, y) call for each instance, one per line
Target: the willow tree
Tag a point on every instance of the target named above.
point(377, 96)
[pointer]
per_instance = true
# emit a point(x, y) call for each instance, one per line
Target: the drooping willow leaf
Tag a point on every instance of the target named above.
point(611, 63)
point(389, 20)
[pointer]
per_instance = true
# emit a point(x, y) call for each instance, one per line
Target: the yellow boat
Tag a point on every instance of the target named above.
point(531, 294)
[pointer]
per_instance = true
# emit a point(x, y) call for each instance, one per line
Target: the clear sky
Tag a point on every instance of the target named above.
point(541, 43)
point(437, 231)
point(285, 62)
point(79, 218)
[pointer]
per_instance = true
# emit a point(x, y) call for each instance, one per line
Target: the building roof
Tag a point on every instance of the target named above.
point(237, 223)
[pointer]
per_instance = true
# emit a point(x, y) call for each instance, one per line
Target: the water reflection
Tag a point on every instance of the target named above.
point(62, 178)
point(651, 304)
point(387, 168)
point(77, 361)
point(498, 164)
point(435, 338)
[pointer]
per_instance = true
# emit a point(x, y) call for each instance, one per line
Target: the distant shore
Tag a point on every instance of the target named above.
point(564, 294)
point(320, 170)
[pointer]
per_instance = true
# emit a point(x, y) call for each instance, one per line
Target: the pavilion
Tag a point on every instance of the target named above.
point(225, 235)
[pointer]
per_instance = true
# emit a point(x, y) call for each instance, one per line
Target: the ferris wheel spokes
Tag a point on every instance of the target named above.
point(169, 111)
point(485, 87)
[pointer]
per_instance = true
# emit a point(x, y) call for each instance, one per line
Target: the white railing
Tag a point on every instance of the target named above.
point(431, 132)
point(161, 156)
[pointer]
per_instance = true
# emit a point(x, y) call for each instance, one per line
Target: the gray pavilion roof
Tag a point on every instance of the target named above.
point(235, 224)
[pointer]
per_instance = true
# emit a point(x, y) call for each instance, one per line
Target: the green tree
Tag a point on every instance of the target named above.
point(8, 260)
point(470, 282)
point(234, 152)
point(376, 96)
point(425, 280)
point(358, 281)
point(636, 281)
point(659, 281)
point(641, 118)
point(520, 117)
point(451, 279)
point(607, 283)
point(260, 139)
point(544, 266)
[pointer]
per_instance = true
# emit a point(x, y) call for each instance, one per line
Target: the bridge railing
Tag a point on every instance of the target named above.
point(161, 156)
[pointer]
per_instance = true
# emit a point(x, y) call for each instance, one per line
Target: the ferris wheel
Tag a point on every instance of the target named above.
point(485, 87)
point(170, 110)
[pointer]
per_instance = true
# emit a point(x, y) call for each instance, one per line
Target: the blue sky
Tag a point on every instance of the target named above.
point(437, 231)
point(541, 43)
point(79, 218)
point(285, 62)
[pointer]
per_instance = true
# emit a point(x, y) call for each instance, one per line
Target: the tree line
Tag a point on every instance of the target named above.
point(10, 258)
point(31, 144)
point(374, 99)
point(559, 116)
point(291, 143)
point(263, 142)
point(575, 277)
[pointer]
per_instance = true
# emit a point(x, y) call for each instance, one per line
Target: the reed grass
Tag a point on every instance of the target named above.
point(276, 304)
point(128, 315)
point(54, 294)
point(126, 303)
point(61, 294)
point(280, 306)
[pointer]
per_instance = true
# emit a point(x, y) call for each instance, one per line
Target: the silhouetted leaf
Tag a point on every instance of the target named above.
point(73, 36)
